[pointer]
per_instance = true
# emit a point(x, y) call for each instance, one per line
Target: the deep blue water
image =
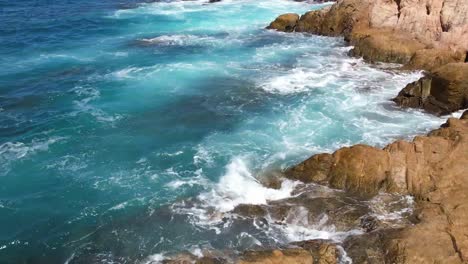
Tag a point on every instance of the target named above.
point(125, 125)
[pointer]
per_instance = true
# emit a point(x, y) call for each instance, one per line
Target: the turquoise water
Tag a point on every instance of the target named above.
point(129, 130)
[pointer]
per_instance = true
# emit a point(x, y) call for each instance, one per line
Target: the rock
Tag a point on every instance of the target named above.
point(433, 169)
point(250, 210)
point(431, 59)
point(393, 30)
point(339, 19)
point(376, 45)
point(286, 22)
point(304, 252)
point(211, 260)
point(323, 251)
point(359, 169)
point(370, 248)
point(314, 169)
point(290, 256)
point(443, 92)
point(337, 210)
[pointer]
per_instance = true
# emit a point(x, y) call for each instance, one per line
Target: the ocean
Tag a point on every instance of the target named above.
point(131, 130)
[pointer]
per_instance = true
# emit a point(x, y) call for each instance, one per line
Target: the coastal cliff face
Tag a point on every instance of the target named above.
point(393, 31)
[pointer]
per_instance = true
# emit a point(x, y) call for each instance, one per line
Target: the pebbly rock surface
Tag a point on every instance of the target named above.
point(432, 168)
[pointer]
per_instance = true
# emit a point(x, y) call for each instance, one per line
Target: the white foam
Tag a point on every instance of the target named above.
point(238, 186)
point(154, 259)
point(181, 40)
point(297, 227)
point(14, 151)
point(391, 209)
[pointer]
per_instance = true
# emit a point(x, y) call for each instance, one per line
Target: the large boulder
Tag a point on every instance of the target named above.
point(286, 22)
point(442, 92)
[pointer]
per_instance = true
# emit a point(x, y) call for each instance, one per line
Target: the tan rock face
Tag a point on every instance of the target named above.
point(444, 91)
point(443, 23)
point(376, 45)
point(432, 168)
point(394, 30)
point(431, 59)
point(337, 20)
point(286, 22)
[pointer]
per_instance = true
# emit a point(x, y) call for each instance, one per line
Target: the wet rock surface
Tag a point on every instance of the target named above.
point(441, 93)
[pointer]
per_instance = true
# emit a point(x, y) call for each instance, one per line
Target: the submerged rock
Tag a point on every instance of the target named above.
point(250, 210)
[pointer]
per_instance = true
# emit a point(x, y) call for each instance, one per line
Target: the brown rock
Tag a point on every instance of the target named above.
point(360, 169)
point(434, 169)
point(394, 30)
point(286, 22)
point(339, 19)
point(291, 256)
point(376, 45)
point(444, 91)
point(431, 59)
point(323, 251)
point(315, 169)
point(370, 248)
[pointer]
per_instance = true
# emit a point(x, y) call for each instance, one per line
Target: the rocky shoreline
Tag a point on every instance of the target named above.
point(432, 168)
point(421, 35)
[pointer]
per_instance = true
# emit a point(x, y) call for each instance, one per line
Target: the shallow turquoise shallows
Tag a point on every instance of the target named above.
point(125, 129)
